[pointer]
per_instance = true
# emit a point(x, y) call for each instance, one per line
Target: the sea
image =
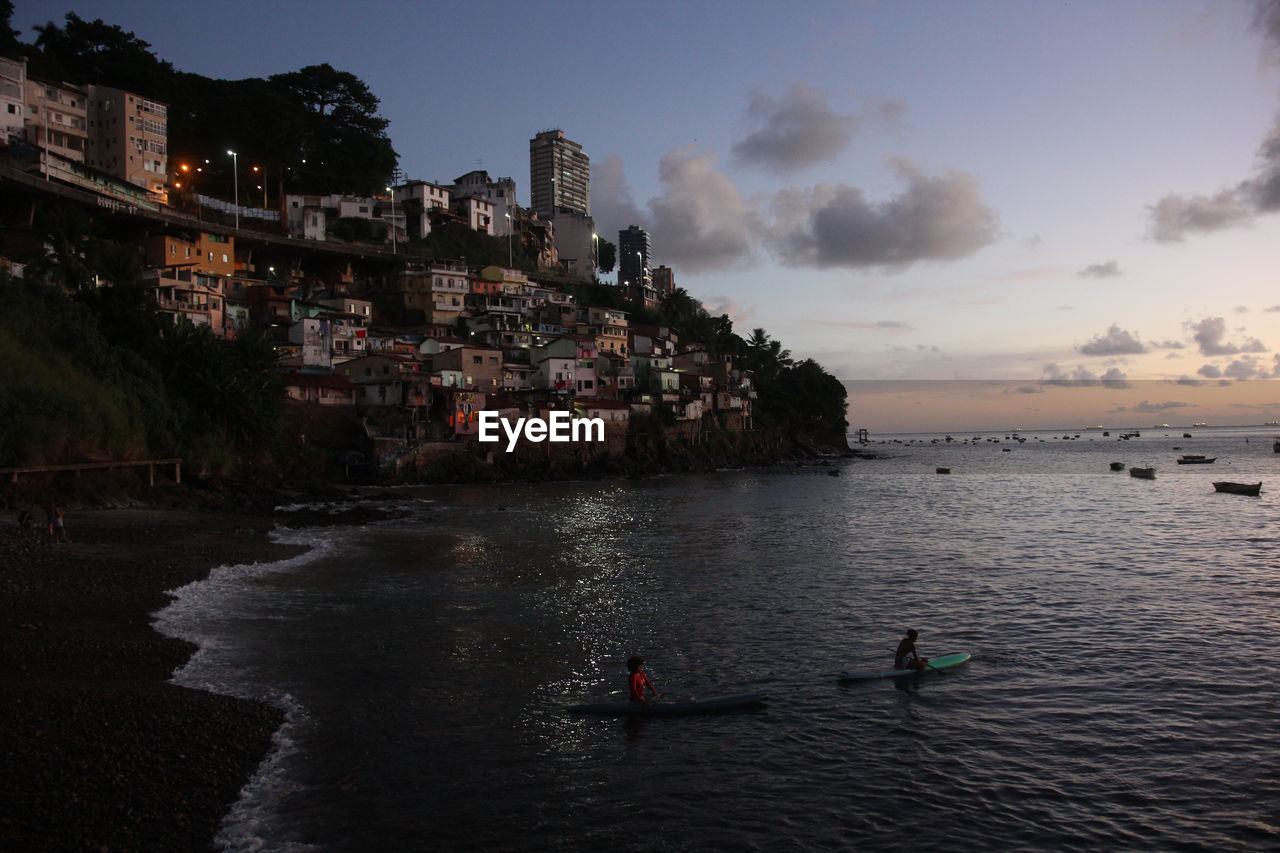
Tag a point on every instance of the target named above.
point(1121, 695)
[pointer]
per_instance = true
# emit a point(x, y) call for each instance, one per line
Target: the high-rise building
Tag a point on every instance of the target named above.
point(559, 175)
point(559, 180)
point(635, 271)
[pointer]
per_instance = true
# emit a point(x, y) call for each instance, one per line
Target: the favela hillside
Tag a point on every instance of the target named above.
point(236, 275)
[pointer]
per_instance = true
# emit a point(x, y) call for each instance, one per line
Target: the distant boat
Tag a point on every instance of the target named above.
point(1199, 424)
point(1196, 459)
point(1276, 447)
point(1117, 466)
point(1143, 473)
point(1239, 488)
point(944, 470)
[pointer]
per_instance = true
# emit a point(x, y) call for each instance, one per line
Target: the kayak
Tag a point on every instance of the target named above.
point(934, 663)
point(674, 708)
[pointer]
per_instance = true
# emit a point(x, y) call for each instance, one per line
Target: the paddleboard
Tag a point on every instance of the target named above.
point(659, 708)
point(934, 663)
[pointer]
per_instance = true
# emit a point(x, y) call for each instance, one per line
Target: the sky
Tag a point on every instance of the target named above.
point(1054, 196)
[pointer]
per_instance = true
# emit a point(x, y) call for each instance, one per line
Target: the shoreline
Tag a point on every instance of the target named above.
point(102, 752)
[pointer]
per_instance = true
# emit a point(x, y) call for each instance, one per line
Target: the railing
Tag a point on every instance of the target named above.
point(77, 467)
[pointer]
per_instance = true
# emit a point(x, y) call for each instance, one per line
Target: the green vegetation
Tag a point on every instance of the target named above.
point(92, 372)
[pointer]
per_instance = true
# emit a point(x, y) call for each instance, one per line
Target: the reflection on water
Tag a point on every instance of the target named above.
point(1120, 694)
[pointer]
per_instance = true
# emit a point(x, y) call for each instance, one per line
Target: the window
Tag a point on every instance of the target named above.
point(475, 359)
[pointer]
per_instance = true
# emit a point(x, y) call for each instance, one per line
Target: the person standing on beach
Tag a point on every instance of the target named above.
point(56, 528)
point(906, 657)
point(638, 680)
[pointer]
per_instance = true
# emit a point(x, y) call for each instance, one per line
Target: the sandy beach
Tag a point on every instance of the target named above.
point(100, 752)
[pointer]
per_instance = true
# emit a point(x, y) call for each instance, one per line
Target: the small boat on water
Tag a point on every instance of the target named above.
point(1196, 459)
point(1117, 466)
point(944, 470)
point(1239, 488)
point(1143, 473)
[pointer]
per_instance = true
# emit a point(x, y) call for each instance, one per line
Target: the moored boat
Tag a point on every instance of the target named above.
point(1143, 473)
point(1196, 459)
point(1117, 466)
point(1239, 488)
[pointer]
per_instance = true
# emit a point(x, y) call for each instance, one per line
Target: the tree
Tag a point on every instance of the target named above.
point(9, 44)
point(343, 142)
point(606, 255)
point(95, 52)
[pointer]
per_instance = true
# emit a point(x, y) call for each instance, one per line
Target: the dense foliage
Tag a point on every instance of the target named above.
point(90, 371)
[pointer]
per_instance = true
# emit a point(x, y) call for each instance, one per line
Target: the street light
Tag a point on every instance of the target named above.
point(262, 173)
point(235, 171)
point(392, 190)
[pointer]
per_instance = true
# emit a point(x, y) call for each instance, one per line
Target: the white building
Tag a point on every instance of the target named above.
point(13, 98)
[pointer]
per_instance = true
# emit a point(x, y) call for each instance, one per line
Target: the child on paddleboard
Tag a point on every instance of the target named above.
point(638, 680)
point(906, 657)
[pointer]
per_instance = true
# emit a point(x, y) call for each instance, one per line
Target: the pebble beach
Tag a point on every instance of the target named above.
point(100, 751)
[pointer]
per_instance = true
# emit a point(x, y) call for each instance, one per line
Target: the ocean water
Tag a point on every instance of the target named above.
point(1122, 692)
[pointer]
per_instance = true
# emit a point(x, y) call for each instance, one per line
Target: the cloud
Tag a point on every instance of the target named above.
point(700, 222)
point(1267, 21)
point(1115, 378)
point(1057, 376)
point(1209, 333)
point(934, 218)
point(1108, 269)
point(1246, 367)
point(612, 207)
point(796, 131)
point(1146, 407)
point(743, 316)
point(1210, 371)
point(1116, 341)
point(1176, 216)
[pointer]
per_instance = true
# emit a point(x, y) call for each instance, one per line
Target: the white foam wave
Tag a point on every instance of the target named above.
point(194, 616)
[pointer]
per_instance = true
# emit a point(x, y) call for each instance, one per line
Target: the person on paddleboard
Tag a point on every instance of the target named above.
point(638, 680)
point(906, 657)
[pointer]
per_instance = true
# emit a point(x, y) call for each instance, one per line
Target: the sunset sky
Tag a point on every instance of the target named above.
point(985, 190)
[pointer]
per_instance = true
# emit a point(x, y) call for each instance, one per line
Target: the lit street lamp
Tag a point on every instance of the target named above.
point(392, 190)
point(235, 171)
point(262, 174)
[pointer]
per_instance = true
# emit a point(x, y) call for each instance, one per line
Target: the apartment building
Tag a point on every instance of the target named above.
point(57, 118)
point(416, 201)
point(129, 137)
point(635, 275)
point(559, 175)
point(500, 194)
point(13, 98)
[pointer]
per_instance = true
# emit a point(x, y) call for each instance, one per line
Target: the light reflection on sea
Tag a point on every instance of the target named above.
point(1121, 693)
